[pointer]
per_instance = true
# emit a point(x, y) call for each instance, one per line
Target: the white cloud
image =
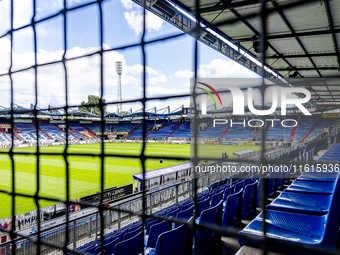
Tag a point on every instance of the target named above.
point(184, 74)
point(138, 69)
point(127, 4)
point(22, 14)
point(135, 21)
point(219, 68)
point(134, 18)
point(83, 77)
point(158, 79)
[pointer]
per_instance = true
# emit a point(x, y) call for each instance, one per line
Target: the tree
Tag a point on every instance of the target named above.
point(93, 100)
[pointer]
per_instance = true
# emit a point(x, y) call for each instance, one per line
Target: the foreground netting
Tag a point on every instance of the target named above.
point(202, 232)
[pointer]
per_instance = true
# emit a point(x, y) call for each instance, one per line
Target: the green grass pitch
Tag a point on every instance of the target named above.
point(85, 170)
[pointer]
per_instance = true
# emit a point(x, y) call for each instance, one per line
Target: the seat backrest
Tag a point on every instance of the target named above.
point(151, 224)
point(109, 248)
point(238, 186)
point(173, 213)
point(130, 246)
point(216, 198)
point(271, 184)
point(208, 216)
point(186, 206)
point(249, 199)
point(120, 235)
point(285, 176)
point(332, 224)
point(186, 214)
point(228, 191)
point(128, 235)
point(218, 189)
point(202, 206)
point(134, 227)
point(232, 207)
point(155, 231)
point(172, 242)
point(247, 181)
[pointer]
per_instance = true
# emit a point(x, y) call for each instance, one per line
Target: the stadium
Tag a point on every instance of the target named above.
point(202, 127)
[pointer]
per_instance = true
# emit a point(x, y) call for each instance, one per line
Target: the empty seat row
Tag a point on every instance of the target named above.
point(307, 212)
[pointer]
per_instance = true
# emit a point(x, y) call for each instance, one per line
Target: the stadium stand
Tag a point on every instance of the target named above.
point(305, 124)
point(27, 132)
point(164, 131)
point(138, 133)
point(52, 131)
point(183, 131)
point(80, 132)
point(320, 127)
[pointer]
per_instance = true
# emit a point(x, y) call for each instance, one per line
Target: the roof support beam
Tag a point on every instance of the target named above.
point(285, 20)
point(291, 35)
point(304, 55)
point(222, 7)
point(307, 69)
point(330, 23)
point(246, 23)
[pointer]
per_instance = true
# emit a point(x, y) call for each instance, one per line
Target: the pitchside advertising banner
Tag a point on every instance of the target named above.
point(235, 111)
point(108, 195)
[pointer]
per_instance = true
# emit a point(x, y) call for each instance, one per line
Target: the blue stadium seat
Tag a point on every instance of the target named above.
point(134, 227)
point(310, 187)
point(318, 177)
point(247, 181)
point(271, 184)
point(155, 231)
point(313, 230)
point(249, 199)
point(130, 234)
point(228, 191)
point(109, 248)
point(205, 238)
point(171, 242)
point(186, 214)
point(238, 186)
point(173, 213)
point(301, 203)
point(186, 205)
point(216, 198)
point(130, 246)
point(202, 206)
point(232, 209)
point(151, 223)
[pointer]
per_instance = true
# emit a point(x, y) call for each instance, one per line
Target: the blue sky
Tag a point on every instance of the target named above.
point(169, 64)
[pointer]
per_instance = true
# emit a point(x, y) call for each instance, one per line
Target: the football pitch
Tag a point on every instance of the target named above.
point(85, 170)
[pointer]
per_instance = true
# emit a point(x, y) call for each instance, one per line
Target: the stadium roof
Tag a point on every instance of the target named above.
point(303, 37)
point(30, 112)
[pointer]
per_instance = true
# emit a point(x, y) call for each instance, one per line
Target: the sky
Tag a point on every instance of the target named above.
point(169, 64)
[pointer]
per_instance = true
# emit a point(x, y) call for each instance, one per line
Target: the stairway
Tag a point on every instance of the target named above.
point(17, 137)
point(134, 129)
point(17, 130)
point(44, 132)
point(294, 130)
point(59, 128)
point(225, 131)
point(310, 131)
point(174, 130)
point(207, 127)
point(90, 131)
